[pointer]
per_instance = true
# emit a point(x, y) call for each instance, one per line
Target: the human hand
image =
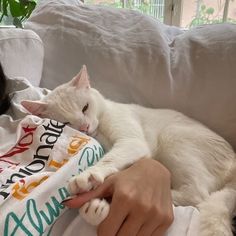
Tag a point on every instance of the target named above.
point(141, 201)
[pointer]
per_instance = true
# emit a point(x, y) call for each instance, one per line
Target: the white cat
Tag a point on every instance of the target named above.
point(201, 162)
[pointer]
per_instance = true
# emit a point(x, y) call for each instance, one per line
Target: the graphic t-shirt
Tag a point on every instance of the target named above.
point(37, 158)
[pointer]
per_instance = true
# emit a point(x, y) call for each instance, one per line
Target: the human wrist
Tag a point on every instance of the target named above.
point(154, 165)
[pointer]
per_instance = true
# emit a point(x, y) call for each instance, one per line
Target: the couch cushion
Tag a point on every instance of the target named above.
point(122, 49)
point(204, 76)
point(21, 54)
point(135, 58)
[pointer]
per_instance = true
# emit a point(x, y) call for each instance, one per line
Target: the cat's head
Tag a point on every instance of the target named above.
point(70, 103)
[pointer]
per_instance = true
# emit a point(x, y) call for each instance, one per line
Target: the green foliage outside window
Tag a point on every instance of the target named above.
point(153, 8)
point(16, 11)
point(208, 15)
point(143, 7)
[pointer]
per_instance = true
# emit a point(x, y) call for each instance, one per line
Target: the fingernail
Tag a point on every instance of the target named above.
point(68, 198)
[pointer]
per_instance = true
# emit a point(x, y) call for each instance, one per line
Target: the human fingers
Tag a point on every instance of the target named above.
point(159, 231)
point(131, 225)
point(101, 191)
point(117, 215)
point(153, 226)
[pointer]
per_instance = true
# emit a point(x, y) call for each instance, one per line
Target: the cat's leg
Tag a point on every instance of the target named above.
point(89, 179)
point(218, 210)
point(198, 164)
point(122, 155)
point(187, 196)
point(95, 211)
point(197, 161)
point(216, 213)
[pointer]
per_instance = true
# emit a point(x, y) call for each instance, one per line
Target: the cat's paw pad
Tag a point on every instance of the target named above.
point(95, 211)
point(85, 182)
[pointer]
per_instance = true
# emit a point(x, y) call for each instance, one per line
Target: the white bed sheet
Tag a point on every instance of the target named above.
point(185, 224)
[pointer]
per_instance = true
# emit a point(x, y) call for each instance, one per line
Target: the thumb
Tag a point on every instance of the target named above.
point(104, 190)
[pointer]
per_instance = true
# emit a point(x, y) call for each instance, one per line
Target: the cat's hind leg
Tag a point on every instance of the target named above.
point(188, 196)
point(95, 211)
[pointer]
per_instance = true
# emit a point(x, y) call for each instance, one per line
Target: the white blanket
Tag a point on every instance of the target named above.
point(37, 157)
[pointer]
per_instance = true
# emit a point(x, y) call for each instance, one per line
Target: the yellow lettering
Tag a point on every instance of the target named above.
point(20, 192)
point(76, 144)
point(56, 164)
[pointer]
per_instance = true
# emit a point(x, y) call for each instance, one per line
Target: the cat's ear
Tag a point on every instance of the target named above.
point(34, 107)
point(81, 80)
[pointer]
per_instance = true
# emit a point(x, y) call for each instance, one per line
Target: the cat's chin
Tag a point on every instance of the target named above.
point(93, 133)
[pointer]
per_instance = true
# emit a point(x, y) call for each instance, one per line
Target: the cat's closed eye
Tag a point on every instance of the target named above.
point(67, 123)
point(85, 108)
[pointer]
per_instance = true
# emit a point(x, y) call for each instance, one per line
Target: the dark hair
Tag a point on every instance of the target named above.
point(4, 97)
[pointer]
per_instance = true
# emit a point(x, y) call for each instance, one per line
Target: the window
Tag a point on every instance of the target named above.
point(207, 12)
point(184, 13)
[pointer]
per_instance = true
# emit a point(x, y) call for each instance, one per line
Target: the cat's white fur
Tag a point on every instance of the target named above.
point(202, 164)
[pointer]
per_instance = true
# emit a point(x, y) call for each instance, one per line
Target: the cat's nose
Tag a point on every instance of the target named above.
point(84, 128)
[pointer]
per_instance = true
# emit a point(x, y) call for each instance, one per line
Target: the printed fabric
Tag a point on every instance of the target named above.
point(37, 158)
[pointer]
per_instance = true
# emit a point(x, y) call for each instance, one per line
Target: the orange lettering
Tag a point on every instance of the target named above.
point(20, 192)
point(56, 164)
point(77, 144)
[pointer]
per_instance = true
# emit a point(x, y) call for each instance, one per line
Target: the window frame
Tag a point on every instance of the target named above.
point(173, 12)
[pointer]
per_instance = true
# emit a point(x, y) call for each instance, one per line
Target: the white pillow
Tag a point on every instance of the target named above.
point(21, 54)
point(117, 47)
point(135, 58)
point(203, 68)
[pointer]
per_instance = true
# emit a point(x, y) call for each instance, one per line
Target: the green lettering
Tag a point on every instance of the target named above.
point(31, 210)
point(63, 193)
point(18, 222)
point(53, 212)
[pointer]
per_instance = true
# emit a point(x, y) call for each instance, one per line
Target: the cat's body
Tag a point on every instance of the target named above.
point(200, 161)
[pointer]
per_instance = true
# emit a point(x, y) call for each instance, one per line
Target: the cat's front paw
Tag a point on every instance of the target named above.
point(95, 211)
point(85, 181)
